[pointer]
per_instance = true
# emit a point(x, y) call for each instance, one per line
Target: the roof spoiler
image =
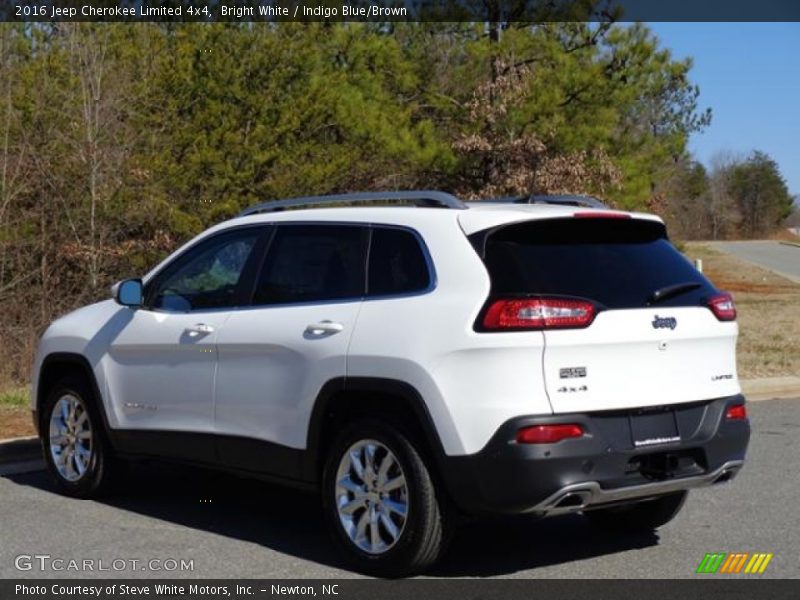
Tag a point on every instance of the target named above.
point(562, 199)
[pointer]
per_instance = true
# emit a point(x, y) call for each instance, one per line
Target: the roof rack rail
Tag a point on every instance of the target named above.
point(424, 198)
point(563, 199)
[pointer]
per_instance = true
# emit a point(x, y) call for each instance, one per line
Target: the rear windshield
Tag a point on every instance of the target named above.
point(618, 263)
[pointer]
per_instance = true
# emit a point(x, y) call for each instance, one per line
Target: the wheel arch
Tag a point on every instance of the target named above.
point(342, 398)
point(59, 365)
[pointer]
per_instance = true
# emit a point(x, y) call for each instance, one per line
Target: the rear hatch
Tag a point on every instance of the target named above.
point(627, 320)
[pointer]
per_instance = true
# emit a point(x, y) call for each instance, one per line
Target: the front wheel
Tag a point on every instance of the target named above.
point(380, 501)
point(75, 449)
point(642, 516)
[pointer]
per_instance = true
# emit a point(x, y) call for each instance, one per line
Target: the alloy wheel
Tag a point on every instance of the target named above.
point(71, 437)
point(371, 496)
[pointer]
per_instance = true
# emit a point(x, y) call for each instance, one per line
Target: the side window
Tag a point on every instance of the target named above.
point(397, 264)
point(311, 263)
point(207, 277)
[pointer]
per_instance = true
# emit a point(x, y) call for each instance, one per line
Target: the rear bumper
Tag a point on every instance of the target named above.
point(601, 468)
point(580, 496)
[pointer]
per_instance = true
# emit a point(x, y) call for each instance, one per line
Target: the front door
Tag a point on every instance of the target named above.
point(163, 361)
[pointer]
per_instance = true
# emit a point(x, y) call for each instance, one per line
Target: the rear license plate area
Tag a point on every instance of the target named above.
point(654, 429)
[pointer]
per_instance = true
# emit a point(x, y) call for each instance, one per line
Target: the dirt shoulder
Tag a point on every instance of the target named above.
point(768, 307)
point(15, 421)
point(15, 413)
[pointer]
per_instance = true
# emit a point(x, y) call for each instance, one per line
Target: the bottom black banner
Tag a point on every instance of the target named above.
point(418, 589)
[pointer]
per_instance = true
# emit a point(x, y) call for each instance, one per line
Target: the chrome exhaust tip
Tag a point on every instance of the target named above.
point(726, 475)
point(572, 501)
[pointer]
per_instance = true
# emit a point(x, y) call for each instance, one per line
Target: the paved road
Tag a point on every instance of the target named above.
point(781, 258)
point(254, 530)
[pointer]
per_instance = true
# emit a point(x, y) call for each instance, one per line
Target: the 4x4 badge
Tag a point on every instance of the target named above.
point(664, 322)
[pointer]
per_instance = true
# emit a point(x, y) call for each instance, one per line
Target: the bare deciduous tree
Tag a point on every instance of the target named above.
point(100, 138)
point(721, 210)
point(511, 161)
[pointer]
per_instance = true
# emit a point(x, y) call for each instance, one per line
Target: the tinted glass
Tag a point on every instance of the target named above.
point(310, 263)
point(616, 262)
point(396, 263)
point(208, 277)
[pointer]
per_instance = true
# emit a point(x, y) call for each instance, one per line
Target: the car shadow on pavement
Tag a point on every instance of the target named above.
point(291, 522)
point(508, 545)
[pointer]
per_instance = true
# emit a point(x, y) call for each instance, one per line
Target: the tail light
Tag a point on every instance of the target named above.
point(548, 434)
point(723, 307)
point(538, 313)
point(737, 412)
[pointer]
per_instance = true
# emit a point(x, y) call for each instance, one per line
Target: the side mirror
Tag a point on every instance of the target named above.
point(129, 293)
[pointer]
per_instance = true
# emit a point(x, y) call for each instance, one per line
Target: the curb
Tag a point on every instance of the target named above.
point(795, 244)
point(20, 449)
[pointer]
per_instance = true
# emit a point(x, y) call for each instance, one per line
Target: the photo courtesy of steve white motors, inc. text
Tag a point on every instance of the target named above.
point(171, 590)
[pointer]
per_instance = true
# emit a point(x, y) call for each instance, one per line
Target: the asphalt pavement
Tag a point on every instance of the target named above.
point(229, 527)
point(783, 259)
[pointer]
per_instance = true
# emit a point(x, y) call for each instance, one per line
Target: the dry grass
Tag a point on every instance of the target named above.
point(768, 312)
point(784, 235)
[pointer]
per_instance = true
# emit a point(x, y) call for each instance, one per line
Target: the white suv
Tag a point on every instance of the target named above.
point(540, 355)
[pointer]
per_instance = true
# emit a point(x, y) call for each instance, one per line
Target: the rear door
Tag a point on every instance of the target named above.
point(654, 339)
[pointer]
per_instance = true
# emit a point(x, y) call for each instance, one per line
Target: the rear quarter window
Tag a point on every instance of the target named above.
point(618, 263)
point(397, 264)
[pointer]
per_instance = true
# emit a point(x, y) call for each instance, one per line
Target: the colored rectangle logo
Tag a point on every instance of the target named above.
point(732, 563)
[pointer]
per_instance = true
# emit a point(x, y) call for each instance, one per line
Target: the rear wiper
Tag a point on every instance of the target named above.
point(668, 291)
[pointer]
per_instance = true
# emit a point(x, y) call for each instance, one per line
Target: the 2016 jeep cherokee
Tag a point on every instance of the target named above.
point(540, 355)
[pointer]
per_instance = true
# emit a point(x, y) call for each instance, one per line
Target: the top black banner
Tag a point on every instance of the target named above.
point(376, 11)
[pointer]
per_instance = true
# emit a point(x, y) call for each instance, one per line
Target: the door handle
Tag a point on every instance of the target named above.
point(324, 327)
point(200, 329)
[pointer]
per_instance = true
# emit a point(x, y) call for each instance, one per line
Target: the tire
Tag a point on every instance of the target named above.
point(640, 517)
point(385, 527)
point(81, 464)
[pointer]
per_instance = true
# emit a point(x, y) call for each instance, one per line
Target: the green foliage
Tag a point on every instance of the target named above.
point(761, 193)
point(589, 89)
point(739, 196)
point(251, 113)
point(199, 121)
point(15, 397)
